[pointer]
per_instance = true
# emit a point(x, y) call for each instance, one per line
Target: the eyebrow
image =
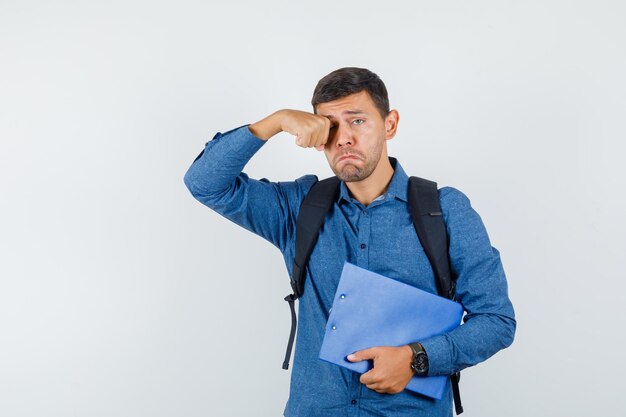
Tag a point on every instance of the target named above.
point(350, 112)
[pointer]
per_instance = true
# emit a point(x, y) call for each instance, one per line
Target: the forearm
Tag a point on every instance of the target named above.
point(269, 126)
point(475, 341)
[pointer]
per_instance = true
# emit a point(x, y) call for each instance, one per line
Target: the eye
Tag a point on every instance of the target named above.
point(358, 121)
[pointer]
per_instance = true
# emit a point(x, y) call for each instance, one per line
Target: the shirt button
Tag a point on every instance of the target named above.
point(365, 212)
point(363, 245)
point(353, 402)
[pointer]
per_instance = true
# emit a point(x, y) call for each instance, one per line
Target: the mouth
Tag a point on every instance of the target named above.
point(348, 156)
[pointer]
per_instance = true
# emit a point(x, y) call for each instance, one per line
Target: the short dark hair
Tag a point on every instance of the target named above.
point(351, 80)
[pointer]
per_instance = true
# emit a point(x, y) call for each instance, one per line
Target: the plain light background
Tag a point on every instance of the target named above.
point(120, 295)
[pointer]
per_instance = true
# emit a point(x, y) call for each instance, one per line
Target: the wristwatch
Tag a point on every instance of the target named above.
point(419, 364)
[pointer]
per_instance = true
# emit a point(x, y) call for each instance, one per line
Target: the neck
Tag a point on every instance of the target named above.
point(365, 191)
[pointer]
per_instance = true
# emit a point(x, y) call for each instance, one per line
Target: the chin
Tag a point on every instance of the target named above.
point(351, 174)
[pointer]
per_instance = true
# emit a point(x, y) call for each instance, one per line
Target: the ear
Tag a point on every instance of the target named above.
point(391, 124)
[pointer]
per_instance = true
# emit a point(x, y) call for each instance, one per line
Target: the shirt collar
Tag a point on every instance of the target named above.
point(398, 187)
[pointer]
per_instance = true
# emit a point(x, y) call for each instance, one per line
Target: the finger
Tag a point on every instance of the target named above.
point(368, 378)
point(322, 132)
point(380, 387)
point(323, 139)
point(374, 387)
point(316, 139)
point(377, 387)
point(362, 355)
point(312, 139)
point(319, 146)
point(302, 141)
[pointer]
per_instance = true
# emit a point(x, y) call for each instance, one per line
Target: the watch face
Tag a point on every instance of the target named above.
point(420, 364)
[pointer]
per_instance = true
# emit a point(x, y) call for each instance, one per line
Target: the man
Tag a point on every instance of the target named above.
point(370, 226)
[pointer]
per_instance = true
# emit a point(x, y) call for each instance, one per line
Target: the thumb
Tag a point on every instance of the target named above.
point(363, 355)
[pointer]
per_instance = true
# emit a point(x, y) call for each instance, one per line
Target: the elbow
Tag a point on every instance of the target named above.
point(190, 183)
point(207, 187)
point(197, 184)
point(191, 178)
point(508, 331)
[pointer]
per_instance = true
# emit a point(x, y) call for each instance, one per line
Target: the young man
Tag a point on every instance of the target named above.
point(370, 226)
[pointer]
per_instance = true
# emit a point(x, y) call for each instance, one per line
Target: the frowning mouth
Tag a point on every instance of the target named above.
point(348, 156)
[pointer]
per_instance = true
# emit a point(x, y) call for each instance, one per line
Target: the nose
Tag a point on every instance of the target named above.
point(343, 135)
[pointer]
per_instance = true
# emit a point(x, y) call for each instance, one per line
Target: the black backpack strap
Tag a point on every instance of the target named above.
point(428, 222)
point(311, 217)
point(431, 231)
point(456, 393)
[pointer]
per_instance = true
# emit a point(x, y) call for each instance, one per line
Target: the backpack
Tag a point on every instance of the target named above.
point(427, 220)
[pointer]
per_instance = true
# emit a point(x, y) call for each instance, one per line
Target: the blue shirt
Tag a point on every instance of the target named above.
point(379, 237)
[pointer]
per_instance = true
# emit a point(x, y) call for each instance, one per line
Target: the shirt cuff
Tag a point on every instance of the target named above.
point(437, 350)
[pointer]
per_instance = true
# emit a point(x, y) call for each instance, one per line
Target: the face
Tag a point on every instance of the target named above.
point(358, 135)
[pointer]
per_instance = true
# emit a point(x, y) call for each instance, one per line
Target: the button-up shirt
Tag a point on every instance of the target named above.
point(379, 237)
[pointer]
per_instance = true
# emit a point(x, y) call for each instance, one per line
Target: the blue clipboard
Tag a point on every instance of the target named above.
point(371, 310)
